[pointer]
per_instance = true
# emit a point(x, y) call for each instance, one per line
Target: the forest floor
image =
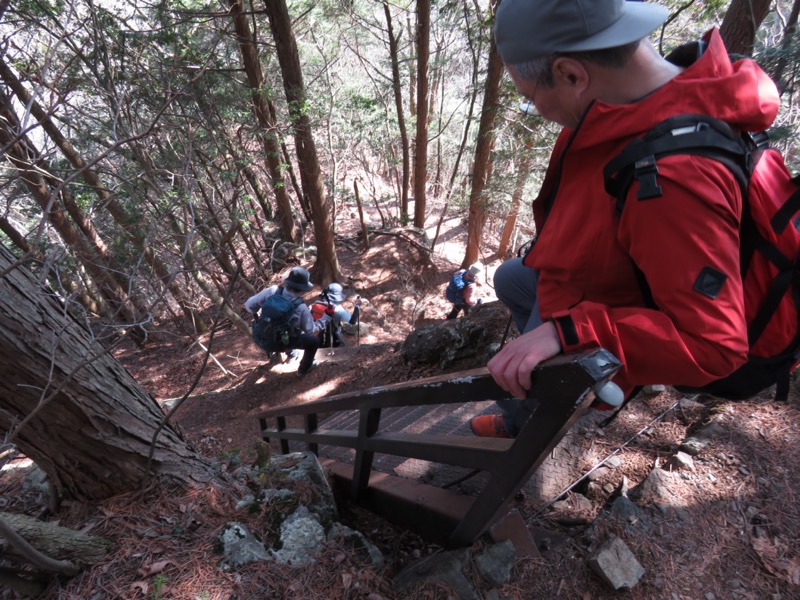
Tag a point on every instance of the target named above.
point(736, 533)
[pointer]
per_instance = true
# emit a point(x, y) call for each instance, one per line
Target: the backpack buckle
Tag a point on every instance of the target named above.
point(645, 172)
point(758, 139)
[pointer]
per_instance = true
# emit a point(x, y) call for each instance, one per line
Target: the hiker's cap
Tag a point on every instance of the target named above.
point(529, 29)
point(299, 279)
point(335, 293)
point(475, 268)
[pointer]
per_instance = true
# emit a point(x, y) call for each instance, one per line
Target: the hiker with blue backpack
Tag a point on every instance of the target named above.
point(462, 290)
point(284, 322)
point(667, 226)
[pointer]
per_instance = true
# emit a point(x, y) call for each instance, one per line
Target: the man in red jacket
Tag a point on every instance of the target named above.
point(587, 65)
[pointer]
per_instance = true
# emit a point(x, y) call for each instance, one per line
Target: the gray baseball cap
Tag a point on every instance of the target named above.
point(529, 29)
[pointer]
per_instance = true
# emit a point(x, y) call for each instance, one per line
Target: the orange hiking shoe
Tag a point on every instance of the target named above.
point(488, 426)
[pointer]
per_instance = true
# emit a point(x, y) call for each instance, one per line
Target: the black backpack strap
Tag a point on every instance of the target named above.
point(787, 272)
point(701, 135)
point(687, 54)
point(782, 386)
point(781, 218)
point(295, 303)
point(698, 135)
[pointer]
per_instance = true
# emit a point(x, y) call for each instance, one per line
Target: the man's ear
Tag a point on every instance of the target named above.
point(571, 72)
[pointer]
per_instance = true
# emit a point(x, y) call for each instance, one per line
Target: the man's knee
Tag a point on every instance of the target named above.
point(515, 283)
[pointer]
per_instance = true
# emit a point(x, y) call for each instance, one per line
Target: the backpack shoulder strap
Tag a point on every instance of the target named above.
point(296, 300)
point(701, 135)
point(689, 134)
point(698, 135)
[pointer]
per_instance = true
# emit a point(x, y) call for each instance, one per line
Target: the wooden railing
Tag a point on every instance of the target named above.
point(563, 386)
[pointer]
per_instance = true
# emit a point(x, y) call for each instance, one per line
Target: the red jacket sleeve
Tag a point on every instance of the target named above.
point(686, 243)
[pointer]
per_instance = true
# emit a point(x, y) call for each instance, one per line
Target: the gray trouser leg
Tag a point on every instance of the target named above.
point(515, 286)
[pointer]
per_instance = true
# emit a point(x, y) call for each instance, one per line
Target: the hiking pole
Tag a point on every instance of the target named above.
point(505, 335)
point(331, 331)
point(358, 322)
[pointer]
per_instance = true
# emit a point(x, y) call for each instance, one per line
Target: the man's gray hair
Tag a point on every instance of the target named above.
point(540, 70)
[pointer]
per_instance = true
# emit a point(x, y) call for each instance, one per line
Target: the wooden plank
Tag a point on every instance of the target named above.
point(464, 386)
point(368, 425)
point(456, 450)
point(429, 511)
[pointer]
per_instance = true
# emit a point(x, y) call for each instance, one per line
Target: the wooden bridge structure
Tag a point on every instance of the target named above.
point(365, 424)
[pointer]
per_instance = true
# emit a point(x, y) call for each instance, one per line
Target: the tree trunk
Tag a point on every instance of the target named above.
point(73, 409)
point(421, 153)
point(57, 542)
point(473, 95)
point(327, 265)
point(401, 121)
point(483, 151)
point(741, 22)
point(519, 186)
point(789, 34)
point(272, 151)
point(68, 285)
point(364, 232)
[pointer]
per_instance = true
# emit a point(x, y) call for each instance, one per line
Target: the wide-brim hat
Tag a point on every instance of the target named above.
point(529, 29)
point(299, 279)
point(335, 293)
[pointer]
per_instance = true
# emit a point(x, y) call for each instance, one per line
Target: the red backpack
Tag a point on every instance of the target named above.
point(769, 238)
point(318, 309)
point(327, 337)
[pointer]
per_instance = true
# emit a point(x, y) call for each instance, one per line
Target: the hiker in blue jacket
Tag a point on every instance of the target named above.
point(462, 290)
point(301, 328)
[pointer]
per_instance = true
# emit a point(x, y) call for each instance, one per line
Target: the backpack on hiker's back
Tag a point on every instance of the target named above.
point(278, 327)
point(769, 237)
point(330, 336)
point(455, 288)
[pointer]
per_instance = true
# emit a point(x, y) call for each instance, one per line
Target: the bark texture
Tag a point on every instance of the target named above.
point(483, 151)
point(741, 22)
point(327, 266)
point(398, 100)
point(421, 144)
point(59, 543)
point(265, 118)
point(71, 407)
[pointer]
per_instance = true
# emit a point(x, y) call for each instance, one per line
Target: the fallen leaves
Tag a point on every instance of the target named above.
point(154, 568)
point(772, 553)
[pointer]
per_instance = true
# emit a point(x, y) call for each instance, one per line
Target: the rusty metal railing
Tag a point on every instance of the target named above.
point(562, 385)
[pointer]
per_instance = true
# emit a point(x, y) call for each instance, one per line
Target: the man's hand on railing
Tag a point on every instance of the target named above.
point(511, 367)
